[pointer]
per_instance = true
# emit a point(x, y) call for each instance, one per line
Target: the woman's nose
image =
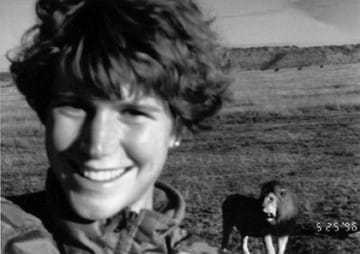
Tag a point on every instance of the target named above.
point(100, 135)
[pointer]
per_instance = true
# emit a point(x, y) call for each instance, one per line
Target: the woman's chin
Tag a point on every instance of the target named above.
point(95, 209)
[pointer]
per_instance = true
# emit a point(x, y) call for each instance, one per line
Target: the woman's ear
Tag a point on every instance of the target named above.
point(175, 142)
point(177, 134)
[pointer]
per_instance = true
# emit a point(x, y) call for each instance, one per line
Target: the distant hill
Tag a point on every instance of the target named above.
point(263, 58)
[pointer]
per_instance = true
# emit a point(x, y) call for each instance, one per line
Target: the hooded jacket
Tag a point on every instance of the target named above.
point(42, 223)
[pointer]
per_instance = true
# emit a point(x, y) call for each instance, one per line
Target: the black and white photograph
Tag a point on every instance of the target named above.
point(180, 126)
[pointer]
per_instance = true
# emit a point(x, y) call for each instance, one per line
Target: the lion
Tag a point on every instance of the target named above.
point(273, 214)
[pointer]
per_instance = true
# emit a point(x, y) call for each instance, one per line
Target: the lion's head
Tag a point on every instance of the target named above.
point(278, 202)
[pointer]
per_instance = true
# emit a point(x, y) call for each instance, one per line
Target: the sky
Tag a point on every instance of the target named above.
point(285, 22)
point(239, 23)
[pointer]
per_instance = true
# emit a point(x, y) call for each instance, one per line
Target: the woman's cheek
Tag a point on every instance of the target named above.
point(65, 132)
point(146, 142)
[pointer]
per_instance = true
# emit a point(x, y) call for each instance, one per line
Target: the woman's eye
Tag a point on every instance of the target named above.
point(133, 115)
point(134, 112)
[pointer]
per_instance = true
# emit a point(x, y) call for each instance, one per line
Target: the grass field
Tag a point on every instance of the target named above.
point(299, 126)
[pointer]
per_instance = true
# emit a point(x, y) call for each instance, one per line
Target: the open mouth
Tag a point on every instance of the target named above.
point(100, 175)
point(270, 217)
point(103, 175)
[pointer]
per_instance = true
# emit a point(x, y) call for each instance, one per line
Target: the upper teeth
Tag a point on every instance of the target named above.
point(103, 175)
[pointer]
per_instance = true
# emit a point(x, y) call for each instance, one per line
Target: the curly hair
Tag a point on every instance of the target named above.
point(160, 46)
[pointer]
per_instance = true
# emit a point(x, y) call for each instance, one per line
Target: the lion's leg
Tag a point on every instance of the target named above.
point(269, 246)
point(244, 244)
point(227, 229)
point(282, 242)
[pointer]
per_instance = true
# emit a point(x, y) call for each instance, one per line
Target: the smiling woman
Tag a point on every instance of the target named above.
point(115, 84)
point(99, 147)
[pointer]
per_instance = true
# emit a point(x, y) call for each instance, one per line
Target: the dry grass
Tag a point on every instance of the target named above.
point(299, 126)
point(289, 90)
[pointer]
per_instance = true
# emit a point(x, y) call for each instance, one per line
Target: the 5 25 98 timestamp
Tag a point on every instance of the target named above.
point(336, 226)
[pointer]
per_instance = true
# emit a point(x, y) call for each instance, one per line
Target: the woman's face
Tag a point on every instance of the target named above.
point(107, 154)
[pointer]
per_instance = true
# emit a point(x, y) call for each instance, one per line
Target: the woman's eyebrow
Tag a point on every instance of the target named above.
point(73, 95)
point(64, 93)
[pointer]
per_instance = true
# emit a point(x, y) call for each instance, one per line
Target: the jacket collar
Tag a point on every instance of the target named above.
point(126, 232)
